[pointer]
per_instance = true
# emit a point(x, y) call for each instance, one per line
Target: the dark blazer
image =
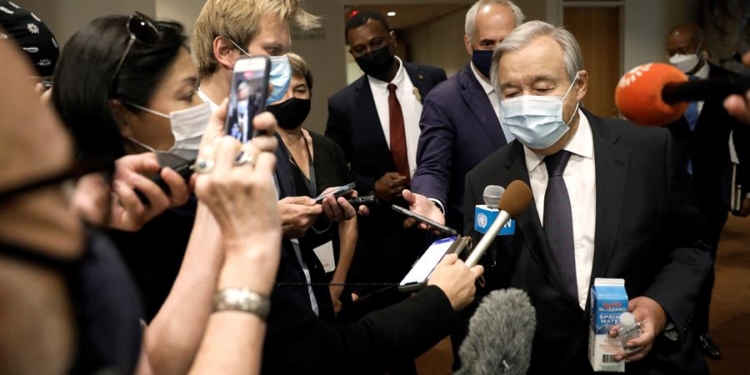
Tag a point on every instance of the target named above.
point(385, 249)
point(646, 233)
point(708, 147)
point(459, 130)
point(354, 124)
point(298, 343)
point(290, 278)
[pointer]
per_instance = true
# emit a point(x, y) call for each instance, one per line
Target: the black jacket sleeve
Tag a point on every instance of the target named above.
point(298, 342)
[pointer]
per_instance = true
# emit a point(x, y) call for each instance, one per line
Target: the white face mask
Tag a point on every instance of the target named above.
point(686, 63)
point(187, 127)
point(536, 121)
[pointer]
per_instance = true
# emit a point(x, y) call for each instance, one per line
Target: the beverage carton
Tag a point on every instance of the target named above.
point(608, 301)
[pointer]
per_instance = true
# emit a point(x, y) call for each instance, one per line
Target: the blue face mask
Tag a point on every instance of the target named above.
point(536, 121)
point(482, 61)
point(279, 78)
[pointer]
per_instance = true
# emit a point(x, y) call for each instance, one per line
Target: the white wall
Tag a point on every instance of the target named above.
point(647, 23)
point(182, 11)
point(440, 42)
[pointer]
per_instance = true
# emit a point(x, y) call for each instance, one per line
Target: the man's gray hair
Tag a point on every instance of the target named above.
point(471, 15)
point(525, 34)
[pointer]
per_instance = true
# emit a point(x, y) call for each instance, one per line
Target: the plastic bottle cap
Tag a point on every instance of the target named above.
point(627, 319)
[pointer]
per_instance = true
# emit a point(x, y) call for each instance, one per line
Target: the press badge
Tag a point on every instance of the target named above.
point(325, 255)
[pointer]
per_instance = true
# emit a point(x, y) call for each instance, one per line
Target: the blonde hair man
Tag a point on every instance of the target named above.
point(228, 29)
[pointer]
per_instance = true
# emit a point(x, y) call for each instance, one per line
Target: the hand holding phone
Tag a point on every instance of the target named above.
point(422, 269)
point(340, 191)
point(247, 95)
point(434, 225)
point(183, 167)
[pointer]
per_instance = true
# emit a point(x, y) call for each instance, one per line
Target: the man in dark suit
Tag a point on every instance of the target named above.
point(460, 124)
point(375, 121)
point(702, 137)
point(610, 200)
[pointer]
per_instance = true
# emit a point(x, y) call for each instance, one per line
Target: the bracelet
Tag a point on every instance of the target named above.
point(242, 299)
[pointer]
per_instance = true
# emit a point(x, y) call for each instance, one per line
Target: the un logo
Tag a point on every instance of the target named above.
point(482, 220)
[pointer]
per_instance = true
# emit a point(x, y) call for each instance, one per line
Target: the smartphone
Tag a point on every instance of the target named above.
point(340, 190)
point(417, 277)
point(368, 200)
point(439, 227)
point(247, 96)
point(184, 167)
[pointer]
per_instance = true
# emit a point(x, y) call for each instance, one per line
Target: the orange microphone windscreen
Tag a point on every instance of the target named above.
point(638, 94)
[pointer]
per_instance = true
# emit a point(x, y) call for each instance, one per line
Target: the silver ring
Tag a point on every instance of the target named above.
point(204, 165)
point(245, 158)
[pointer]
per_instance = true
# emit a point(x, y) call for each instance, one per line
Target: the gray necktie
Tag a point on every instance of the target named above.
point(558, 221)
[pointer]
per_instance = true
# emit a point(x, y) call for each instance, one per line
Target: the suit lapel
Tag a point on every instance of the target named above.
point(368, 120)
point(475, 97)
point(612, 162)
point(531, 228)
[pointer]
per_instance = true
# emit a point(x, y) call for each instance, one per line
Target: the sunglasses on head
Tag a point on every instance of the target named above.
point(142, 29)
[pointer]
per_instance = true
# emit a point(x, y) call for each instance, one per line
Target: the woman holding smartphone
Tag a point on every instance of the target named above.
point(127, 85)
point(318, 166)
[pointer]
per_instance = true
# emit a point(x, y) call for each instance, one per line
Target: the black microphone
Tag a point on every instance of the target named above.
point(705, 89)
point(500, 335)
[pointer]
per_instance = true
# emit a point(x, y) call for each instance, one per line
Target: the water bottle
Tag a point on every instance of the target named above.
point(629, 329)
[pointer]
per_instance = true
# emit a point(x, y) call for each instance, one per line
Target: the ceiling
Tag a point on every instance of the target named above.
point(407, 15)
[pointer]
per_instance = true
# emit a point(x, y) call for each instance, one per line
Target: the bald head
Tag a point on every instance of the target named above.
point(685, 39)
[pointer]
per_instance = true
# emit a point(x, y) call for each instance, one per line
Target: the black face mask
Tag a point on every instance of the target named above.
point(482, 61)
point(105, 300)
point(291, 113)
point(377, 63)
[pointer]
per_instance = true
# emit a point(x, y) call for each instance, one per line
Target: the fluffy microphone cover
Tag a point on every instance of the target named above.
point(515, 198)
point(500, 335)
point(638, 94)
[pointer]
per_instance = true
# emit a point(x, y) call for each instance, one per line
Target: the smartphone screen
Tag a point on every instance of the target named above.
point(422, 270)
point(247, 96)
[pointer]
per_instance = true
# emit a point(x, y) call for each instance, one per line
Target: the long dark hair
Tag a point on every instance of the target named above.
point(84, 77)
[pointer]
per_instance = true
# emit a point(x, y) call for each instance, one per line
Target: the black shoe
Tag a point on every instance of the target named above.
point(708, 347)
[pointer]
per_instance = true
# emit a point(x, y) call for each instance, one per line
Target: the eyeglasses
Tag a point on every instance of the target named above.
point(141, 28)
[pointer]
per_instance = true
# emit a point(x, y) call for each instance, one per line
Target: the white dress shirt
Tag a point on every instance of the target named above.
point(580, 179)
point(494, 99)
point(410, 107)
point(295, 242)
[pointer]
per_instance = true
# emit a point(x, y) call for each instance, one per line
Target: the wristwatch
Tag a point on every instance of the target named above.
point(242, 299)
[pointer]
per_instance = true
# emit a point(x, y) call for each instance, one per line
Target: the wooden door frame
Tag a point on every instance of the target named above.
point(556, 11)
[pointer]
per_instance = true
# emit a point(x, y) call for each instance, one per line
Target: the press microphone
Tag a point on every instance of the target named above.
point(501, 332)
point(512, 203)
point(491, 195)
point(485, 214)
point(657, 94)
